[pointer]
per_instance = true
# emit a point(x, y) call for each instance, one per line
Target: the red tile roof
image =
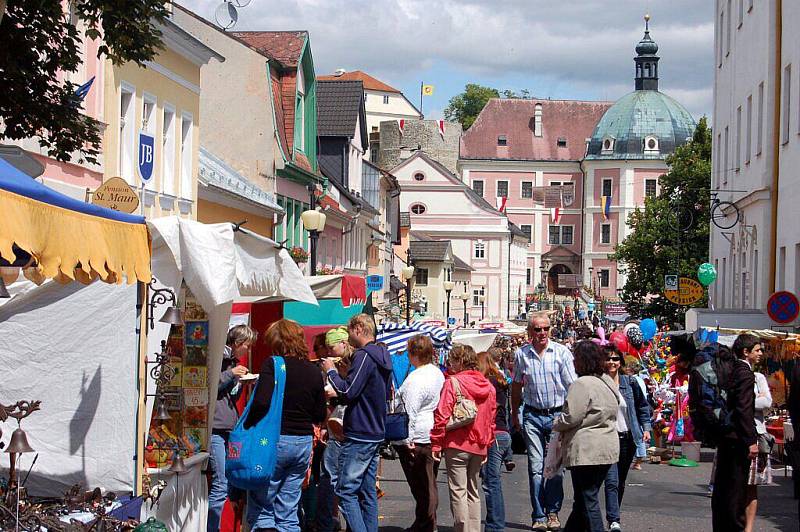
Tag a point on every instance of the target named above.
point(369, 82)
point(285, 46)
point(568, 119)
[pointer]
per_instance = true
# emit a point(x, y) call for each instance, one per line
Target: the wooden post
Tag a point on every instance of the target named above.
point(141, 376)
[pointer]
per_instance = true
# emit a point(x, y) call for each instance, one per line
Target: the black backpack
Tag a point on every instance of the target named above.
point(709, 382)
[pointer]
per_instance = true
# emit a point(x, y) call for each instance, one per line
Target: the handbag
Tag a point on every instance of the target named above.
point(765, 443)
point(553, 458)
point(253, 452)
point(464, 411)
point(396, 422)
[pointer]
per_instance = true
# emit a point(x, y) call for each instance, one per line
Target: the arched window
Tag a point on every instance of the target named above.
point(418, 208)
point(607, 145)
point(419, 176)
point(650, 144)
point(647, 70)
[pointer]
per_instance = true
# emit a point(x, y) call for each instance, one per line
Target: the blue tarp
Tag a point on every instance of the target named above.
point(12, 180)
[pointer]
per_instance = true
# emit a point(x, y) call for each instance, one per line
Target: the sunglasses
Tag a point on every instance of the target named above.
point(614, 359)
point(540, 329)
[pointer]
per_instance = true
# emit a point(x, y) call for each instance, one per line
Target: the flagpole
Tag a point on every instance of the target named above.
point(421, 85)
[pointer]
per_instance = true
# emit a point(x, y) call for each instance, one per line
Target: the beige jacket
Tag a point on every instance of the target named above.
point(588, 422)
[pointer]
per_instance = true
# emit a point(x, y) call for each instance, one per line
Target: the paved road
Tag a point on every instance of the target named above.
point(658, 498)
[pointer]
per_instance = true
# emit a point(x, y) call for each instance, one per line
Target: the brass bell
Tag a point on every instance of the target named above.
point(19, 443)
point(173, 316)
point(161, 410)
point(178, 466)
point(3, 290)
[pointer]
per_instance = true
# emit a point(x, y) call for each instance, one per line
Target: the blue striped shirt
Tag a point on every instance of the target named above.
point(545, 377)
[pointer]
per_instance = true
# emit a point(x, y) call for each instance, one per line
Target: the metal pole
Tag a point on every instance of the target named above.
point(313, 236)
point(465, 313)
point(408, 301)
point(448, 308)
point(482, 309)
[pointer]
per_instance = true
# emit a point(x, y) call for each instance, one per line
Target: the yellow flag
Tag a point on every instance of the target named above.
point(427, 90)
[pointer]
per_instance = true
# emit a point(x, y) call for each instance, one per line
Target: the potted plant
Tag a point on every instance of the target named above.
point(299, 254)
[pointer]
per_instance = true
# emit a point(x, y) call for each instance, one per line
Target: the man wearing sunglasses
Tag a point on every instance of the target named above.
point(543, 372)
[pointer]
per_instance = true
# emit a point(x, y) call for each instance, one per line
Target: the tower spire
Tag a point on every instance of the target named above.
point(646, 60)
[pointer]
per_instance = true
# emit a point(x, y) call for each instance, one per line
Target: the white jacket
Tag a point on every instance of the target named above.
point(418, 397)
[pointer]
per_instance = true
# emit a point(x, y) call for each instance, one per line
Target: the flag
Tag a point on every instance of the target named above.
point(605, 206)
point(441, 127)
point(402, 125)
point(555, 215)
point(83, 90)
point(427, 90)
point(501, 204)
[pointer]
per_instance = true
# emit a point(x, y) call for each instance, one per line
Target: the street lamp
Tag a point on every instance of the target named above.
point(448, 287)
point(591, 280)
point(465, 298)
point(313, 222)
point(407, 274)
point(481, 300)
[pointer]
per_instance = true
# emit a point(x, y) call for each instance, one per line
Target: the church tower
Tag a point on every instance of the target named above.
point(646, 61)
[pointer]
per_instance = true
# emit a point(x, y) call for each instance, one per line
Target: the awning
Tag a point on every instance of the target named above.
point(69, 239)
point(397, 335)
point(350, 289)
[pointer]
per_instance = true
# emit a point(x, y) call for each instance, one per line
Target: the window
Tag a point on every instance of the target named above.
point(126, 136)
point(554, 235)
point(528, 230)
point(561, 142)
point(605, 234)
point(741, 13)
point(385, 99)
point(608, 145)
point(479, 250)
point(527, 189)
point(168, 151)
point(502, 140)
point(448, 274)
point(477, 186)
point(605, 278)
point(560, 235)
point(537, 120)
point(760, 122)
point(419, 176)
point(749, 5)
point(650, 144)
point(477, 293)
point(607, 186)
point(725, 158)
point(418, 208)
point(502, 189)
point(748, 139)
point(650, 188)
point(738, 138)
point(719, 40)
point(718, 151)
point(566, 235)
point(186, 157)
point(787, 103)
point(728, 29)
point(528, 276)
point(782, 268)
point(421, 276)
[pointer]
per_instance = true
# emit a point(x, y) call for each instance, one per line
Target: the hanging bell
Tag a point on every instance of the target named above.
point(3, 290)
point(173, 316)
point(178, 466)
point(161, 410)
point(19, 443)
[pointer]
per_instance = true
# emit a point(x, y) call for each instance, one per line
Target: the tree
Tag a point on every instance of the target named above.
point(671, 234)
point(38, 41)
point(466, 107)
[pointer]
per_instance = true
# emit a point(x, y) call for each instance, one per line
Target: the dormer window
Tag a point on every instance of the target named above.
point(537, 120)
point(561, 142)
point(502, 140)
point(650, 144)
point(607, 145)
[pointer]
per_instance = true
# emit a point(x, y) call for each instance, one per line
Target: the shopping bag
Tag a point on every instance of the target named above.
point(252, 452)
point(553, 458)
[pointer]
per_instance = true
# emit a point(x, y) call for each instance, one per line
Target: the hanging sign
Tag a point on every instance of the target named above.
point(783, 307)
point(146, 155)
point(116, 194)
point(375, 282)
point(689, 291)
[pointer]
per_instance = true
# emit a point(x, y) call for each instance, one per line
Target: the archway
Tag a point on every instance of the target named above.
point(552, 280)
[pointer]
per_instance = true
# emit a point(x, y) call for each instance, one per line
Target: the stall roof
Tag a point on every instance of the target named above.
point(351, 289)
point(69, 239)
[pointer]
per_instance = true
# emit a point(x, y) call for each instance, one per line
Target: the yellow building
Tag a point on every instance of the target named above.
point(162, 99)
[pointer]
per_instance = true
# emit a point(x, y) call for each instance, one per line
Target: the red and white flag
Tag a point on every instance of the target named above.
point(555, 215)
point(402, 124)
point(441, 128)
point(501, 204)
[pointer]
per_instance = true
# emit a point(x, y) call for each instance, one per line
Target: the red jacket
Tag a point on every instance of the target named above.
point(476, 437)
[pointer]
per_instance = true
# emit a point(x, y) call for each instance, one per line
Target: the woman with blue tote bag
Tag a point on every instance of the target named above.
point(274, 506)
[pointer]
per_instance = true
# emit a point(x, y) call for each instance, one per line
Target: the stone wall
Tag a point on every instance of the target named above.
point(419, 134)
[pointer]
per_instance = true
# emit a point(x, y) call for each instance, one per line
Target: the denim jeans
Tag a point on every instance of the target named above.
point(219, 483)
point(328, 477)
point(358, 496)
point(277, 505)
point(546, 495)
point(492, 484)
point(586, 515)
point(616, 478)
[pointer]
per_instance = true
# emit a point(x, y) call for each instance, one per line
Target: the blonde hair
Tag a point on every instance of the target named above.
point(239, 335)
point(463, 355)
point(365, 322)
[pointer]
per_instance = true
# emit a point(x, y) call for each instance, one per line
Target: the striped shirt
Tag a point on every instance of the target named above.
point(545, 378)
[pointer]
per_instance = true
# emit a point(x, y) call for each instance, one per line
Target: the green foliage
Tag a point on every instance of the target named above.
point(509, 94)
point(660, 243)
point(38, 41)
point(466, 107)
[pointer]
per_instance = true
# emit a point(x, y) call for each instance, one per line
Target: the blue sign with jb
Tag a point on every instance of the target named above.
point(146, 155)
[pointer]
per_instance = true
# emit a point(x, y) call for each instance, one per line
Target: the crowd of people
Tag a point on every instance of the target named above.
point(576, 408)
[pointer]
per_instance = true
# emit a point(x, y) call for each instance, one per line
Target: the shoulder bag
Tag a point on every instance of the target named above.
point(464, 411)
point(396, 422)
point(252, 452)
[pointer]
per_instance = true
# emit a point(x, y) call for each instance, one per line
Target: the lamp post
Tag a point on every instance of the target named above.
point(448, 287)
point(481, 300)
point(465, 298)
point(407, 273)
point(313, 222)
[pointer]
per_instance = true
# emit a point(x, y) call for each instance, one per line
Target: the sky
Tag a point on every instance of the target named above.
point(560, 49)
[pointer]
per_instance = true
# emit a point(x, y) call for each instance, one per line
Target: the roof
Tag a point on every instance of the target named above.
point(516, 231)
point(460, 265)
point(429, 250)
point(637, 115)
point(405, 219)
point(285, 46)
point(339, 106)
point(217, 173)
point(369, 82)
point(568, 119)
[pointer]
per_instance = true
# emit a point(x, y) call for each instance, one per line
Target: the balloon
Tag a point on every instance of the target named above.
point(619, 339)
point(635, 336)
point(706, 274)
point(649, 329)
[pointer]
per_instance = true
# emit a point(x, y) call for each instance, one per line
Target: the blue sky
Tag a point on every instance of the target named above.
point(581, 49)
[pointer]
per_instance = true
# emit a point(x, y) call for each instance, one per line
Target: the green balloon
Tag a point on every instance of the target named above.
point(707, 274)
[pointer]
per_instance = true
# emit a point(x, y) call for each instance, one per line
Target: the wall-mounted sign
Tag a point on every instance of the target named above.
point(374, 282)
point(689, 291)
point(116, 194)
point(783, 307)
point(146, 155)
point(670, 282)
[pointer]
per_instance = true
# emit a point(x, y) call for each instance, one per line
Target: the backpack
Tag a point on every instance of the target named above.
point(709, 382)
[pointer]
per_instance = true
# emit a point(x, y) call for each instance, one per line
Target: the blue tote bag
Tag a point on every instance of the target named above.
point(252, 452)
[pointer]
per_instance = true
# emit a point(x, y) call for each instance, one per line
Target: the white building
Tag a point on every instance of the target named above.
point(756, 151)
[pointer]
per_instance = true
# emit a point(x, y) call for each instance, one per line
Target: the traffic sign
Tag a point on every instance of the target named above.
point(451, 321)
point(783, 307)
point(689, 291)
point(146, 155)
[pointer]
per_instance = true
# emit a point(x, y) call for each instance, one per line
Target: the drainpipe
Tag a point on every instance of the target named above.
point(776, 143)
point(508, 284)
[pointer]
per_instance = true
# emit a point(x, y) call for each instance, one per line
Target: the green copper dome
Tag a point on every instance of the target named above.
point(639, 118)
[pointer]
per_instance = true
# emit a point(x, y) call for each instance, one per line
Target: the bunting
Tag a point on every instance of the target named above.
point(441, 128)
point(555, 215)
point(500, 203)
point(402, 124)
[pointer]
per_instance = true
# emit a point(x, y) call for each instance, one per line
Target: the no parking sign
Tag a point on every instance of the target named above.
point(783, 307)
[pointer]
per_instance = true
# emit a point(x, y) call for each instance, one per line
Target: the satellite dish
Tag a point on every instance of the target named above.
point(241, 3)
point(226, 15)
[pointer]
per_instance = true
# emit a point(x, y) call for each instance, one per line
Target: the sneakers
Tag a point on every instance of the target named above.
point(614, 527)
point(539, 525)
point(552, 522)
point(510, 466)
